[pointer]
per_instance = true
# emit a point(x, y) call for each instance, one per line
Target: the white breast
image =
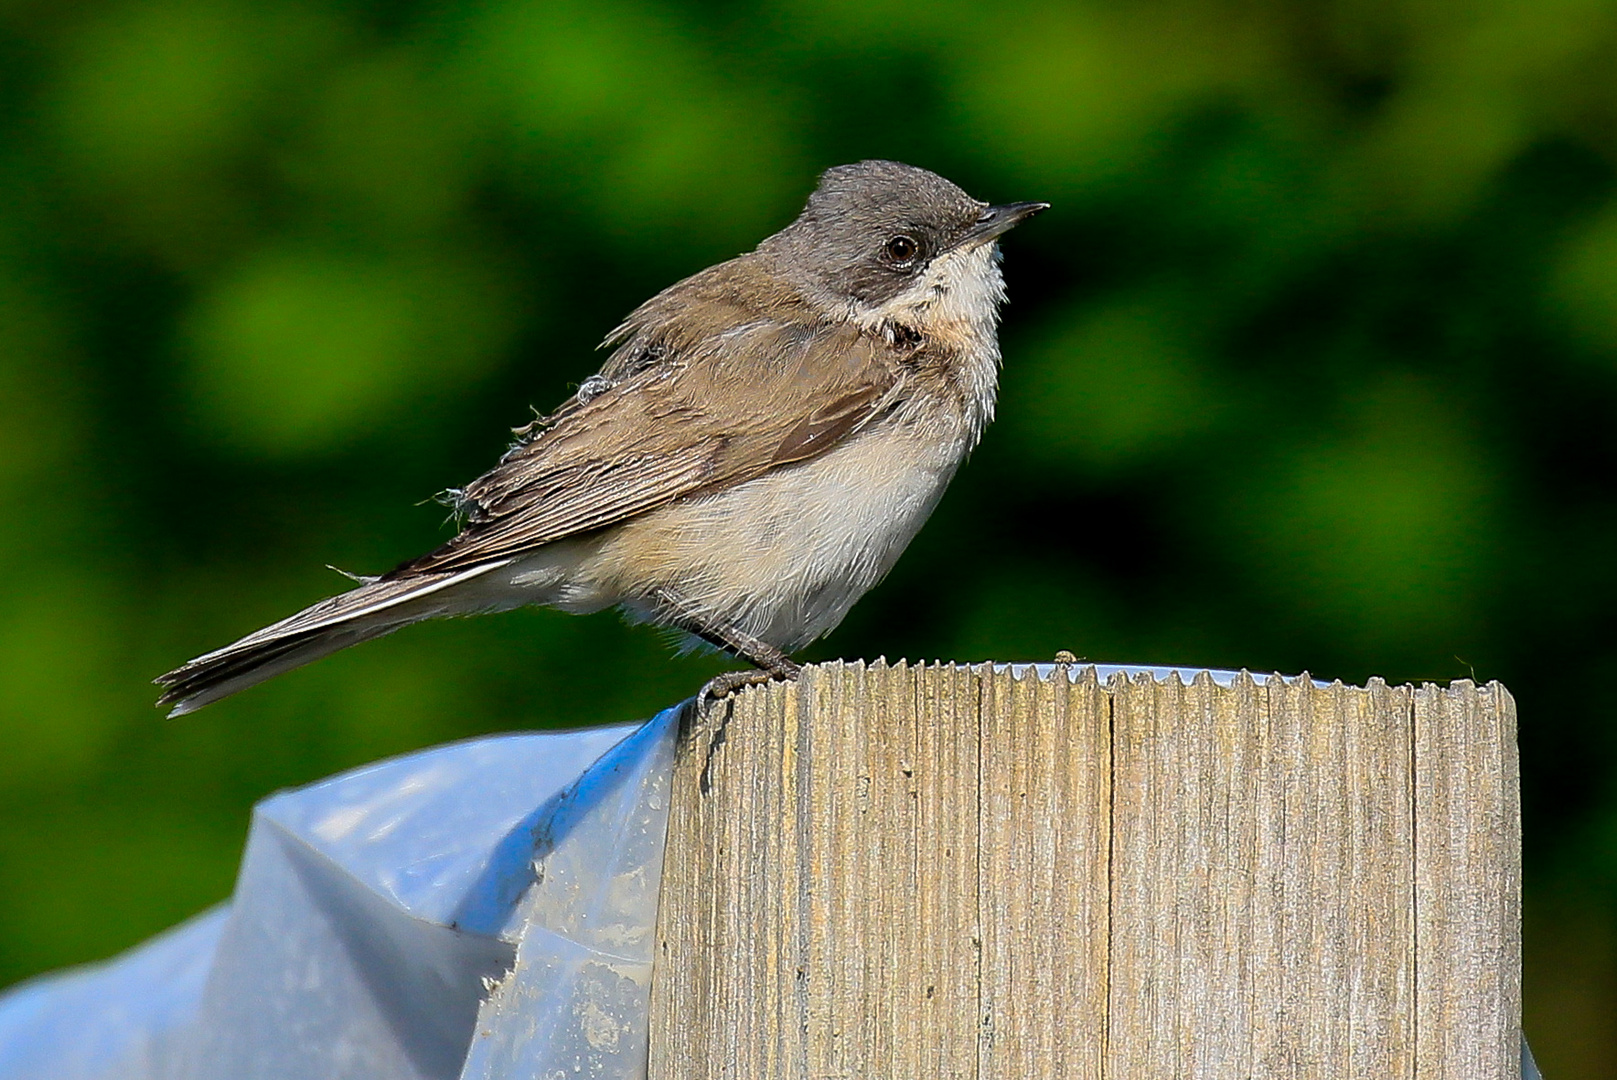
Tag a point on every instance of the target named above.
point(784, 557)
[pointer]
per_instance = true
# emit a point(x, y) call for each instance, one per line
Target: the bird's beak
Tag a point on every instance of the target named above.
point(998, 220)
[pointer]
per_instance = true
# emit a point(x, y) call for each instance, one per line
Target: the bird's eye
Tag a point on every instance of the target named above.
point(901, 249)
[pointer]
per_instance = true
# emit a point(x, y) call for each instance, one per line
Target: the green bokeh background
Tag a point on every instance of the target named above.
point(1312, 365)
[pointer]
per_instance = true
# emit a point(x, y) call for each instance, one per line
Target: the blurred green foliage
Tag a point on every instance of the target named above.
point(1313, 365)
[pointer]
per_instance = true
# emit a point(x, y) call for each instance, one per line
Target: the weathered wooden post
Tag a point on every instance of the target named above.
point(893, 871)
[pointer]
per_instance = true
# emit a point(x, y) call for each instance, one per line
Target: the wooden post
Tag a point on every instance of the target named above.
point(893, 871)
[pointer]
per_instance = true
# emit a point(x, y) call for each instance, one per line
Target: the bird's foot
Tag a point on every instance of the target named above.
point(722, 686)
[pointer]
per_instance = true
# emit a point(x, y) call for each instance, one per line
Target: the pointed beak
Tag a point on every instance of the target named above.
point(998, 220)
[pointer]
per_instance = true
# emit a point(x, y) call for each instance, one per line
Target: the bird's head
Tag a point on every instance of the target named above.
point(879, 237)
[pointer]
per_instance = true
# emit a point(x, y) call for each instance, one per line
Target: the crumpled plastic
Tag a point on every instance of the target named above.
point(482, 910)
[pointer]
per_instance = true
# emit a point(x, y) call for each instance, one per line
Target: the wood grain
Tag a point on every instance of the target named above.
point(1467, 898)
point(889, 870)
point(1042, 887)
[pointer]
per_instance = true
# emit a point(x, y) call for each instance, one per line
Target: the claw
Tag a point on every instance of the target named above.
point(722, 686)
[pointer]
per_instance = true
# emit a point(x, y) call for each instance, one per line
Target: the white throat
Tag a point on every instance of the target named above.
point(955, 302)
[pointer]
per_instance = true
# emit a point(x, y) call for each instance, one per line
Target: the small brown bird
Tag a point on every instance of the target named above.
point(763, 442)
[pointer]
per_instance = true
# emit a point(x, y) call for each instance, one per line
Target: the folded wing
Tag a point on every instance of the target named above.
point(754, 398)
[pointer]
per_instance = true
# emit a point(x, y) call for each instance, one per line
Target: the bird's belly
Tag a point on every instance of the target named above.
point(783, 557)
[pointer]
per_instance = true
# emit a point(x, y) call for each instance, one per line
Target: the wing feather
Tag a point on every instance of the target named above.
point(740, 402)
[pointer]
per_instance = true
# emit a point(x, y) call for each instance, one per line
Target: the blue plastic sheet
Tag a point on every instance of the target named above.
point(386, 920)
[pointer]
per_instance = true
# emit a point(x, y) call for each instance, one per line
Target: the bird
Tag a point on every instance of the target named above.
point(763, 441)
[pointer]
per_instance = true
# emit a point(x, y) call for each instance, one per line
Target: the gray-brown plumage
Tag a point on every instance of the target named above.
point(764, 440)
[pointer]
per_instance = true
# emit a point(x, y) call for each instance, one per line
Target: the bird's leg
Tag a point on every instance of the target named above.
point(771, 662)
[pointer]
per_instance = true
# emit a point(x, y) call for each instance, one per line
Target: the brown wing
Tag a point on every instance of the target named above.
point(736, 404)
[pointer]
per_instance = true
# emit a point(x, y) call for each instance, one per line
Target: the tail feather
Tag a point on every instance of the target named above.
point(370, 611)
point(191, 687)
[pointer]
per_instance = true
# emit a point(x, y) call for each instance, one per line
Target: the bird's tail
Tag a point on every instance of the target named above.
point(375, 608)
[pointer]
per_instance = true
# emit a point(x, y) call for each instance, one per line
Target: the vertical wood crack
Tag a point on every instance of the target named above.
point(1111, 878)
point(979, 674)
point(1414, 884)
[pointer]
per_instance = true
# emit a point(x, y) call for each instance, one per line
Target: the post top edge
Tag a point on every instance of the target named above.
point(1103, 673)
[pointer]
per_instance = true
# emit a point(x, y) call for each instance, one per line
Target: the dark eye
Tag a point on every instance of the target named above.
point(901, 249)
